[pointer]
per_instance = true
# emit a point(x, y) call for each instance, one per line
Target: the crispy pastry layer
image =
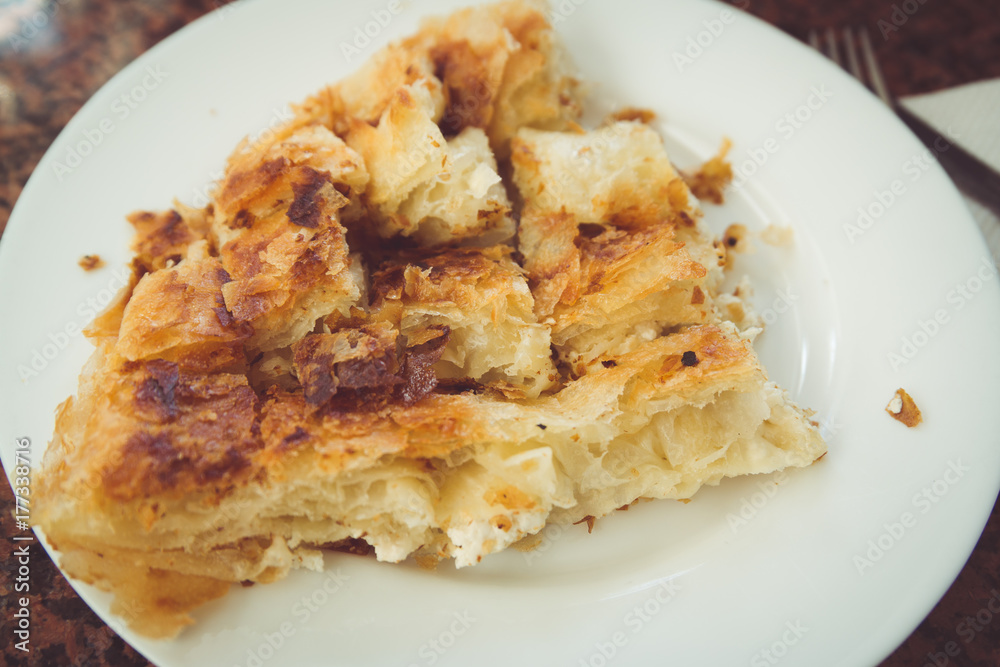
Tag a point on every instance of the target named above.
point(349, 345)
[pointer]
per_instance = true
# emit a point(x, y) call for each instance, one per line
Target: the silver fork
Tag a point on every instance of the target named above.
point(874, 80)
point(973, 176)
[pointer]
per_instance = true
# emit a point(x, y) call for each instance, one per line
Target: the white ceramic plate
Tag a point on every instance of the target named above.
point(835, 565)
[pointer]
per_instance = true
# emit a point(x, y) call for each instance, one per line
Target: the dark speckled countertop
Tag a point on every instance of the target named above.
point(45, 77)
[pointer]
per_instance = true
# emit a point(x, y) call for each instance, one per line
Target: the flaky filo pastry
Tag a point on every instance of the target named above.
point(430, 315)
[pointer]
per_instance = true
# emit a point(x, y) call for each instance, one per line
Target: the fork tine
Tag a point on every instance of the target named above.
point(852, 55)
point(832, 50)
point(874, 71)
point(814, 40)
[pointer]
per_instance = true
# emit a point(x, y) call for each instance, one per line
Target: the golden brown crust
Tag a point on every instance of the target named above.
point(178, 314)
point(551, 258)
point(259, 177)
point(461, 277)
point(603, 256)
point(160, 238)
point(350, 359)
point(617, 174)
point(277, 217)
point(364, 95)
point(173, 432)
point(365, 369)
point(338, 439)
point(481, 296)
point(470, 82)
point(536, 89)
point(499, 65)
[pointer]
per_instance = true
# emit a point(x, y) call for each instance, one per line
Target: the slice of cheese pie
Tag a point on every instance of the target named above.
point(430, 314)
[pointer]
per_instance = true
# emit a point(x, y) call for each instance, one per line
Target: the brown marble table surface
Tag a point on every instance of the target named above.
point(46, 77)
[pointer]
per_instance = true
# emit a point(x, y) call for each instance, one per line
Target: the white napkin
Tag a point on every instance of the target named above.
point(972, 113)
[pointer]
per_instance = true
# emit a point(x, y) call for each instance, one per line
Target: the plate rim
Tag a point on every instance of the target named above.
point(202, 23)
